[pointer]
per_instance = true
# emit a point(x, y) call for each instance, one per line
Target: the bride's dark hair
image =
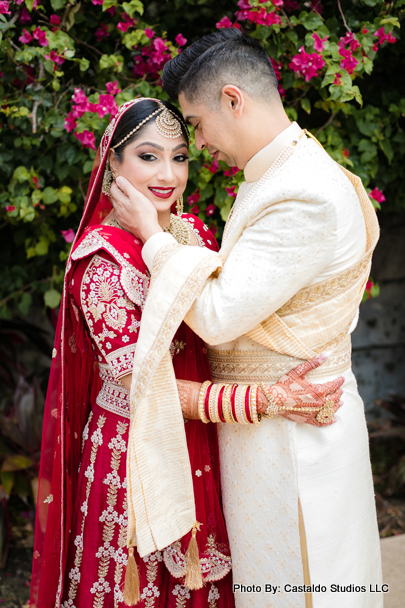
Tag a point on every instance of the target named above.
point(136, 114)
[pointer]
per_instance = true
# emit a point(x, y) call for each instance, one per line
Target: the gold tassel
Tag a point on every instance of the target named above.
point(193, 566)
point(132, 593)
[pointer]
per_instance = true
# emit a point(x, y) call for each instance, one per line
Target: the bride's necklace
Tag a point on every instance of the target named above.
point(178, 228)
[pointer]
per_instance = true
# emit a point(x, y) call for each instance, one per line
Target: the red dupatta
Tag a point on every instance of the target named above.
point(73, 385)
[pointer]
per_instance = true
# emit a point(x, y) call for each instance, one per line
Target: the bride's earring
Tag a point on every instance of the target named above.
point(179, 206)
point(108, 179)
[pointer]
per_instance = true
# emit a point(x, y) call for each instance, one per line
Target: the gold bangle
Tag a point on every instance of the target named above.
point(272, 409)
point(256, 417)
point(240, 404)
point(227, 405)
point(201, 401)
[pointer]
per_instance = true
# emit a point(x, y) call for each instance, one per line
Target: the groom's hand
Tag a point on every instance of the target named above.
point(133, 210)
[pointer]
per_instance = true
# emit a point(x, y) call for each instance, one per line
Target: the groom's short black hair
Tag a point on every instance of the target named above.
point(225, 57)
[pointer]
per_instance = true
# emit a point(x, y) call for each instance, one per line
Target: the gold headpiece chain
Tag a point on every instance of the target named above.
point(167, 124)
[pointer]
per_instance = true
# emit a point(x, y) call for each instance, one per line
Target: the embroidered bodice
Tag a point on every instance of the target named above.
point(108, 288)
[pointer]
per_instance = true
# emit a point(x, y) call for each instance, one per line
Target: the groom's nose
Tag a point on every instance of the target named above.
point(199, 140)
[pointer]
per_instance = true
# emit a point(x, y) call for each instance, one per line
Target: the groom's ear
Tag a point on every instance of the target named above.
point(233, 99)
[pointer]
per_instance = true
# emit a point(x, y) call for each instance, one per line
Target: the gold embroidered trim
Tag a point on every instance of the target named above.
point(134, 283)
point(110, 517)
point(74, 574)
point(325, 290)
point(250, 366)
point(113, 395)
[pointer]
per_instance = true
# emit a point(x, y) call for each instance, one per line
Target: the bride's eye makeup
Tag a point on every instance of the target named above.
point(148, 157)
point(181, 158)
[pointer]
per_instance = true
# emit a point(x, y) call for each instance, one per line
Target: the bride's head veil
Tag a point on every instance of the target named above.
point(74, 380)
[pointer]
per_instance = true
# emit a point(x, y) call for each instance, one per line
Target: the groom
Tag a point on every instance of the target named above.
point(297, 247)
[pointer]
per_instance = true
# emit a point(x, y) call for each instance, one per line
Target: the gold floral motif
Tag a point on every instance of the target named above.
point(109, 516)
point(176, 347)
point(74, 573)
point(213, 596)
point(151, 592)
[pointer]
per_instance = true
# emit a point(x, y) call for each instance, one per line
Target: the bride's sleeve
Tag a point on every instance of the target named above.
point(112, 319)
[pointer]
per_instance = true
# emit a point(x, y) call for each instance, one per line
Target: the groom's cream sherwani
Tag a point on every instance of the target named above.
point(294, 244)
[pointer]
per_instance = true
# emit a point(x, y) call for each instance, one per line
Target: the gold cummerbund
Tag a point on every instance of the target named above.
point(253, 366)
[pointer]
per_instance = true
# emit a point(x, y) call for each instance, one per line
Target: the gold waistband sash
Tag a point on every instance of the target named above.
point(161, 507)
point(253, 366)
point(318, 317)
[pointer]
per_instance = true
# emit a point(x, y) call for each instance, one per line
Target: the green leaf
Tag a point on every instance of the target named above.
point(58, 4)
point(52, 298)
point(312, 21)
point(7, 480)
point(25, 304)
point(49, 196)
point(29, 4)
point(306, 105)
point(16, 463)
point(135, 6)
point(21, 174)
point(84, 64)
point(42, 247)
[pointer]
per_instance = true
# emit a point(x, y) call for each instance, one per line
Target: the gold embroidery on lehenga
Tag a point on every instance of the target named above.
point(150, 592)
point(110, 518)
point(134, 283)
point(74, 574)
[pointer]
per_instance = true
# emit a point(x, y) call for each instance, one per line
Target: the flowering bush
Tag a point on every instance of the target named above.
point(68, 65)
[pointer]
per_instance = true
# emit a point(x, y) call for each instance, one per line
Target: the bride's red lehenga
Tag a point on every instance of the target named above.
point(80, 552)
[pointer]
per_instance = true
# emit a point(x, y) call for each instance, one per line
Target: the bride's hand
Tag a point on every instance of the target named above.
point(188, 393)
point(294, 391)
point(133, 210)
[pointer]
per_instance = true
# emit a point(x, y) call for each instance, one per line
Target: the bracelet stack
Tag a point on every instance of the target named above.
point(229, 403)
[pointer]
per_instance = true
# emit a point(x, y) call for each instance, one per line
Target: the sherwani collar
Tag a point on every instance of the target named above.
point(257, 166)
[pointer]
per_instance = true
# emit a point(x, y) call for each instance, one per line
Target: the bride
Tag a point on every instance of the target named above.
point(85, 553)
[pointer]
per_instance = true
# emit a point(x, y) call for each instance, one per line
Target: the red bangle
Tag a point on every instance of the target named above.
point(207, 401)
point(247, 405)
point(219, 404)
point(233, 405)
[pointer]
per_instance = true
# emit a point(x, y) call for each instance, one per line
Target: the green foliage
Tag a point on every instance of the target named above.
point(357, 113)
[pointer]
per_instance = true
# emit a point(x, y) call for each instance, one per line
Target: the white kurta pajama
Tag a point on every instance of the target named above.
point(297, 221)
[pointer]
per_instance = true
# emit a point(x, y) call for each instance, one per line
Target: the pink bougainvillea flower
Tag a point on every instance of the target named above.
point(95, 2)
point(10, 208)
point(4, 9)
point(291, 5)
point(231, 191)
point(19, 2)
point(348, 62)
point(55, 19)
point(214, 167)
point(39, 35)
point(68, 235)
point(113, 88)
point(195, 210)
point(338, 80)
point(102, 32)
point(383, 37)
point(375, 47)
point(58, 59)
point(106, 105)
point(25, 38)
point(149, 33)
point(245, 7)
point(319, 42)
point(25, 17)
point(180, 40)
point(364, 30)
point(111, 10)
point(210, 210)
point(223, 23)
point(231, 172)
point(377, 195)
point(70, 122)
point(308, 64)
point(126, 24)
point(345, 152)
point(194, 198)
point(87, 139)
